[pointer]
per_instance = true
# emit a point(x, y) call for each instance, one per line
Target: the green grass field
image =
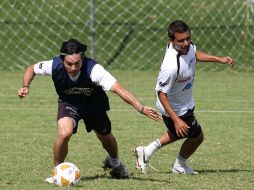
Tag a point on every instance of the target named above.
point(224, 108)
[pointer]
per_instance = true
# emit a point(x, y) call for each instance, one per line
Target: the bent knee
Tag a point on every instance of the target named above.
point(200, 138)
point(105, 137)
point(65, 134)
point(65, 126)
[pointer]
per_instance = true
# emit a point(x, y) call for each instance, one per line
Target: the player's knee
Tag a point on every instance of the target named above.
point(107, 138)
point(65, 128)
point(65, 133)
point(200, 138)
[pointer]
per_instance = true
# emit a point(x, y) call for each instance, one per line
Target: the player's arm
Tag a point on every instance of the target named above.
point(41, 68)
point(180, 126)
point(104, 79)
point(132, 100)
point(27, 79)
point(165, 81)
point(204, 57)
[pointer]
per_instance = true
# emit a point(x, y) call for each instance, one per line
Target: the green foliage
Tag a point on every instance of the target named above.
point(224, 108)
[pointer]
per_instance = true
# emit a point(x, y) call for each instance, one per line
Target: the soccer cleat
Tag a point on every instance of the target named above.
point(119, 172)
point(49, 180)
point(141, 162)
point(183, 168)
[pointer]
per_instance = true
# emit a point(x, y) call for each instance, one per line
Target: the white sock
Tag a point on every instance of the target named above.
point(180, 160)
point(151, 148)
point(114, 162)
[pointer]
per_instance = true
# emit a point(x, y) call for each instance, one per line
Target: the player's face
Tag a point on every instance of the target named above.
point(73, 63)
point(182, 42)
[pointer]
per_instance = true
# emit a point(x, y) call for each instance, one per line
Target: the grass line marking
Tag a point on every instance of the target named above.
point(127, 110)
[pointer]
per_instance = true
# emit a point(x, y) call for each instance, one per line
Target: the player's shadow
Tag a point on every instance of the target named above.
point(92, 178)
point(150, 179)
point(223, 171)
point(132, 177)
point(135, 176)
point(218, 171)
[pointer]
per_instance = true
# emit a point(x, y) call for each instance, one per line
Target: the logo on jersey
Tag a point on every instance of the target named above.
point(192, 60)
point(188, 86)
point(161, 84)
point(40, 65)
point(79, 91)
point(183, 80)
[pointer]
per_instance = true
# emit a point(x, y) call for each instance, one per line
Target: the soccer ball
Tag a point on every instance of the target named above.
point(66, 174)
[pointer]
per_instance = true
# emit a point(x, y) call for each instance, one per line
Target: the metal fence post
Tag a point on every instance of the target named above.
point(92, 30)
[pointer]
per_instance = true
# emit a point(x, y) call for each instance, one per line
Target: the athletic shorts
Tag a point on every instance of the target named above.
point(189, 119)
point(98, 122)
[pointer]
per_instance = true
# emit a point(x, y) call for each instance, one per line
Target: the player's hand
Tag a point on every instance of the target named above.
point(182, 129)
point(227, 60)
point(23, 91)
point(152, 113)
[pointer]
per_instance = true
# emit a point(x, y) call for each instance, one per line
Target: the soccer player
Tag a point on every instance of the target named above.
point(174, 89)
point(81, 83)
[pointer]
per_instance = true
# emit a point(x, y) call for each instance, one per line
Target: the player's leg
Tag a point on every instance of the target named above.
point(194, 139)
point(60, 149)
point(167, 138)
point(112, 161)
point(100, 123)
point(65, 130)
point(109, 143)
point(144, 153)
point(190, 145)
point(67, 120)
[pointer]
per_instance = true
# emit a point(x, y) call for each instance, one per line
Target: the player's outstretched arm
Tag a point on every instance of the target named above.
point(201, 56)
point(27, 79)
point(132, 100)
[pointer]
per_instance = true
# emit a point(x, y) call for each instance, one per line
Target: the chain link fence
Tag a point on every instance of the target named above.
point(123, 34)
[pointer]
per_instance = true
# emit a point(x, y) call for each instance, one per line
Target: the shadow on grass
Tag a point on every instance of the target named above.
point(91, 178)
point(223, 171)
point(216, 171)
point(167, 181)
point(105, 176)
point(150, 180)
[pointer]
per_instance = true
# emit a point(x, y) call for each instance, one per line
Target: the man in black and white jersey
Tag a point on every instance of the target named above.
point(175, 98)
point(81, 83)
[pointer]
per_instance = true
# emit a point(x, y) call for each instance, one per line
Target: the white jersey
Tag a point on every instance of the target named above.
point(179, 88)
point(98, 74)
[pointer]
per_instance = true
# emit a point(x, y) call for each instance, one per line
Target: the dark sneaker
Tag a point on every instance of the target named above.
point(119, 172)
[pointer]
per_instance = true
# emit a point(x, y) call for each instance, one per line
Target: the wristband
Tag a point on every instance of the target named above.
point(26, 86)
point(142, 109)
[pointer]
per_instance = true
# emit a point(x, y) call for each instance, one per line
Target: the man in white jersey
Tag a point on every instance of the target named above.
point(81, 84)
point(175, 98)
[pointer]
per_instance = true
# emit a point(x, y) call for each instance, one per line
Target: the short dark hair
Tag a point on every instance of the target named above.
point(177, 26)
point(72, 46)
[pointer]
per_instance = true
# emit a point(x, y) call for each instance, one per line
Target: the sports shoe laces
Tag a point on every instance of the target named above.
point(140, 166)
point(152, 167)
